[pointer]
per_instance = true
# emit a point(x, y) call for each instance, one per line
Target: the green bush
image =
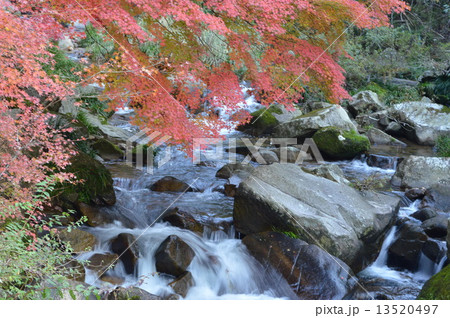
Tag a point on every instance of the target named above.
point(63, 66)
point(33, 264)
point(443, 146)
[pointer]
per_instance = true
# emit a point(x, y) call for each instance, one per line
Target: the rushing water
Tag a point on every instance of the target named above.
point(222, 267)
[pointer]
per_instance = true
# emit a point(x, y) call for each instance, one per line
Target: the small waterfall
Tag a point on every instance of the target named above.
point(221, 268)
point(381, 260)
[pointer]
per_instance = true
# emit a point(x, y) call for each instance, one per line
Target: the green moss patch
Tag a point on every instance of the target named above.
point(438, 287)
point(337, 144)
point(263, 121)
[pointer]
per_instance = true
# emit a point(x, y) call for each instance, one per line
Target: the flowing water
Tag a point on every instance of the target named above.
point(222, 267)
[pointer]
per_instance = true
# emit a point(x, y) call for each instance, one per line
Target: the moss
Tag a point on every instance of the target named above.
point(330, 142)
point(263, 121)
point(437, 288)
point(107, 150)
point(443, 146)
point(290, 234)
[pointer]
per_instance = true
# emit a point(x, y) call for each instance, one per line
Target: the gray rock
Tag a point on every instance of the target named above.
point(365, 102)
point(287, 154)
point(423, 122)
point(424, 214)
point(378, 137)
point(415, 193)
point(311, 272)
point(265, 156)
point(306, 125)
point(448, 240)
point(230, 169)
point(433, 250)
point(405, 252)
point(100, 263)
point(334, 216)
point(393, 128)
point(436, 227)
point(331, 172)
point(66, 44)
point(170, 184)
point(438, 196)
point(417, 171)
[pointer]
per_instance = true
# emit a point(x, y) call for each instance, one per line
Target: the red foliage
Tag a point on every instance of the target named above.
point(285, 46)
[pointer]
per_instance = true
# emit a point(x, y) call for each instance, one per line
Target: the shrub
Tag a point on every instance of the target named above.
point(443, 146)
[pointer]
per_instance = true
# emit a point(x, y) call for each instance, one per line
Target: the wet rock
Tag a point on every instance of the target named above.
point(383, 162)
point(438, 196)
point(437, 287)
point(424, 214)
point(436, 227)
point(131, 293)
point(339, 144)
point(230, 190)
point(285, 197)
point(307, 124)
point(311, 272)
point(100, 263)
point(448, 242)
point(406, 250)
point(331, 172)
point(365, 102)
point(113, 280)
point(107, 150)
point(423, 122)
point(173, 256)
point(80, 241)
point(125, 246)
point(417, 172)
point(114, 133)
point(183, 220)
point(265, 156)
point(415, 193)
point(182, 284)
point(378, 137)
point(230, 169)
point(170, 184)
point(95, 217)
point(433, 251)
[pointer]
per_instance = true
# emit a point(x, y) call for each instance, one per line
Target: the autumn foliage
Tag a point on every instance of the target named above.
point(282, 48)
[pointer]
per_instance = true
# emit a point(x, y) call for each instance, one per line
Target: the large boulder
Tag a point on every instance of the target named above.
point(111, 132)
point(437, 288)
point(182, 284)
point(101, 263)
point(262, 121)
point(417, 171)
point(339, 144)
point(173, 256)
point(94, 215)
point(422, 122)
point(334, 216)
point(311, 272)
point(365, 102)
point(306, 125)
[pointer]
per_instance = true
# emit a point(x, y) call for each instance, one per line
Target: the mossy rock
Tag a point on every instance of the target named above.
point(263, 121)
point(107, 150)
point(438, 287)
point(337, 144)
point(97, 186)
